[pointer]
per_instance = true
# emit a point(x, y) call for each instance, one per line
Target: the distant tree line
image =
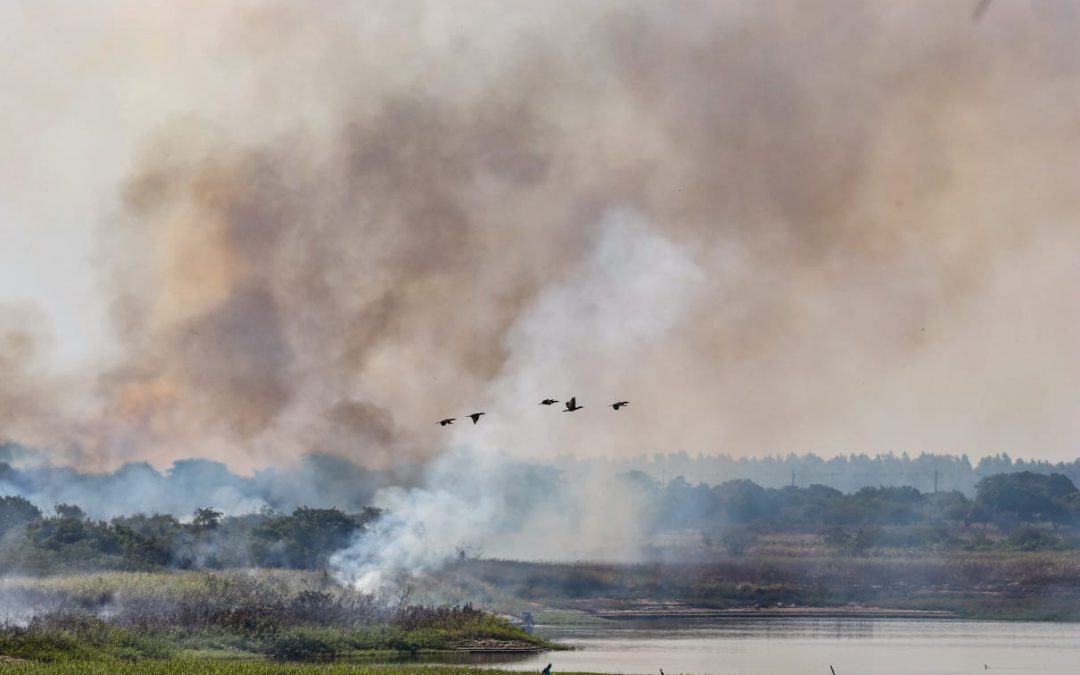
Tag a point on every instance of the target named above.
point(845, 472)
point(33, 542)
point(1004, 499)
point(328, 481)
point(1020, 506)
point(317, 480)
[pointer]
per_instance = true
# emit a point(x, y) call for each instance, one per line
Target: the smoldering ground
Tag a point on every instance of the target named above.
point(773, 226)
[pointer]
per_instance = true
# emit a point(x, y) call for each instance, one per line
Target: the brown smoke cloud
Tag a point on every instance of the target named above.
point(21, 396)
point(773, 226)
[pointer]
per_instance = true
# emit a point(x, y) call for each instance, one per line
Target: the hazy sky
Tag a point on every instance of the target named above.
point(81, 86)
point(245, 230)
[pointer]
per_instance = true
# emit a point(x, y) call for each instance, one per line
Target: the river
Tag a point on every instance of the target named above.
point(808, 646)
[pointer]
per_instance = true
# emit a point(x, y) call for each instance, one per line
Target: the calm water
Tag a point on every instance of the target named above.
point(808, 646)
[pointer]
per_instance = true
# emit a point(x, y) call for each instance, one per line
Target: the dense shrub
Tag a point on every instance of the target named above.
point(1030, 538)
point(79, 636)
point(16, 512)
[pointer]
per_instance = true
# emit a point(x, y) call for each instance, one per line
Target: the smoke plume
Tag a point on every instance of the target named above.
point(772, 226)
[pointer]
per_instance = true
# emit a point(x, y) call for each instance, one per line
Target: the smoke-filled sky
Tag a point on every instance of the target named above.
point(251, 230)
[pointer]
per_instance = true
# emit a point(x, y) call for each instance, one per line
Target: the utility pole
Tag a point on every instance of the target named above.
point(935, 481)
point(792, 479)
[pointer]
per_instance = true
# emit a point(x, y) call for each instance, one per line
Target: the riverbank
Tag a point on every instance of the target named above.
point(677, 612)
point(291, 616)
point(783, 645)
point(1015, 586)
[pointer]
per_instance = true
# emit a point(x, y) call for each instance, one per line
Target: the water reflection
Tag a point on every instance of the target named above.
point(772, 646)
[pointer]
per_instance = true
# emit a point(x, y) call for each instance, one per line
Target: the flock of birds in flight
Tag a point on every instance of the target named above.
point(571, 406)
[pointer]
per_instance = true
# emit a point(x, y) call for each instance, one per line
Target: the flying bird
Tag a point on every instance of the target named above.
point(619, 404)
point(448, 420)
point(476, 417)
point(548, 401)
point(572, 405)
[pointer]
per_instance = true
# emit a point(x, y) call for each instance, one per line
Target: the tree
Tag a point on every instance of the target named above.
point(69, 512)
point(744, 501)
point(305, 539)
point(1071, 505)
point(16, 512)
point(59, 532)
point(1031, 538)
point(206, 519)
point(1026, 495)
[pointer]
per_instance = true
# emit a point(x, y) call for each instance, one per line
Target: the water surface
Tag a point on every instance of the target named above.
point(808, 646)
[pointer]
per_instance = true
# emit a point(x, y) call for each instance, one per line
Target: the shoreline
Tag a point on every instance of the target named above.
point(773, 612)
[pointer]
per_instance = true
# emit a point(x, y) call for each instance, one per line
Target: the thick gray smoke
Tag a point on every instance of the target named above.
point(627, 294)
point(318, 481)
point(773, 226)
point(333, 225)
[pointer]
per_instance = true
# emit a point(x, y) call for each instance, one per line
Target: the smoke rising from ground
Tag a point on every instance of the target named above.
point(772, 226)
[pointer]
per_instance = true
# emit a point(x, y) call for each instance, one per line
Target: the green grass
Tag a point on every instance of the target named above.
point(80, 640)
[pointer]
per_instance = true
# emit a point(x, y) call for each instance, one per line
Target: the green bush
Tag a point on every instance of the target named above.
point(1031, 538)
point(305, 644)
point(61, 637)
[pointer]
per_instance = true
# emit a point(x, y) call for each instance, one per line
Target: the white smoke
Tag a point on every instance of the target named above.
point(631, 291)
